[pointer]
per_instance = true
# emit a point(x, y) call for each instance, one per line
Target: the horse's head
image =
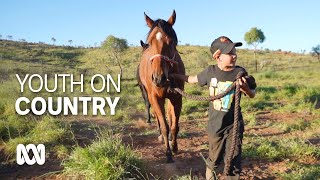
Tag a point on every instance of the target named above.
point(162, 41)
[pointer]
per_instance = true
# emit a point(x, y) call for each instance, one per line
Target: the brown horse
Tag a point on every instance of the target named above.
point(159, 59)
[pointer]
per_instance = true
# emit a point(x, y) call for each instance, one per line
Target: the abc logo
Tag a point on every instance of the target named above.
point(38, 154)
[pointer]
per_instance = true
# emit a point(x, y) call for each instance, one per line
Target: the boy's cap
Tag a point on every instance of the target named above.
point(223, 44)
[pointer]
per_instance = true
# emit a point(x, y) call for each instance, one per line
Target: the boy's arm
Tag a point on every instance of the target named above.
point(244, 87)
point(186, 78)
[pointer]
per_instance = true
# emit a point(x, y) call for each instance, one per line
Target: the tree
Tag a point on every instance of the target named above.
point(70, 42)
point(116, 46)
point(53, 40)
point(254, 37)
point(316, 51)
point(9, 37)
point(0, 36)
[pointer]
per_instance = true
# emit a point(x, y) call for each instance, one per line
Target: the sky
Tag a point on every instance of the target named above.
point(288, 25)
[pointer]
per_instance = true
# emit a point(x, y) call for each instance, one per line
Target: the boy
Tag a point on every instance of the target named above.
point(221, 112)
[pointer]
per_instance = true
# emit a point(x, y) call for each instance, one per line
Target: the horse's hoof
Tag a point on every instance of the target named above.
point(174, 150)
point(160, 138)
point(148, 121)
point(170, 160)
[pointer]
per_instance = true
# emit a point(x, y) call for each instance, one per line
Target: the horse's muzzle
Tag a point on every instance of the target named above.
point(159, 81)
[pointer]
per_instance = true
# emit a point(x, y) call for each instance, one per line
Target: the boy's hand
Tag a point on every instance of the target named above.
point(249, 80)
point(243, 84)
point(244, 87)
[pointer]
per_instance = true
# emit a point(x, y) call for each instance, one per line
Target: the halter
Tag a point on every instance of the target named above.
point(166, 58)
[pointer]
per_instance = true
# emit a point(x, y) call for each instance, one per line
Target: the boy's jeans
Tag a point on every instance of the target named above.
point(219, 148)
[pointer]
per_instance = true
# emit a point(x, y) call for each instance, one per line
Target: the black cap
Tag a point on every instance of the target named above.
point(224, 44)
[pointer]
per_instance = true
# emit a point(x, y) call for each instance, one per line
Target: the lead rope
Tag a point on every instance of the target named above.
point(235, 134)
point(235, 129)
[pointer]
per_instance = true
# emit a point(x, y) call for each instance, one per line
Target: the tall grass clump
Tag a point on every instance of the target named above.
point(13, 126)
point(47, 131)
point(106, 158)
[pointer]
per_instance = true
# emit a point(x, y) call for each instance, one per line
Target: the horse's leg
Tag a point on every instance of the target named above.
point(148, 112)
point(160, 138)
point(158, 108)
point(144, 95)
point(175, 104)
point(169, 117)
point(147, 102)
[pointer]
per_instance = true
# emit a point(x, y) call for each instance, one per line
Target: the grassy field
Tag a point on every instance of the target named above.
point(282, 121)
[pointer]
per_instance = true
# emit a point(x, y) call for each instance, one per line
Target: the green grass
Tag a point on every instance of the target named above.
point(297, 125)
point(183, 134)
point(277, 149)
point(48, 131)
point(299, 171)
point(14, 126)
point(285, 92)
point(147, 132)
point(250, 119)
point(106, 158)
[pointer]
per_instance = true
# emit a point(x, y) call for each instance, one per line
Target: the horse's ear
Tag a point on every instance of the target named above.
point(148, 20)
point(142, 43)
point(172, 18)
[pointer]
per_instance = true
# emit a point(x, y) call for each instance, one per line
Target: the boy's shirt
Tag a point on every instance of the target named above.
point(216, 87)
point(221, 111)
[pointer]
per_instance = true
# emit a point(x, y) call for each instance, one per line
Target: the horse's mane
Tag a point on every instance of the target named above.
point(166, 28)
